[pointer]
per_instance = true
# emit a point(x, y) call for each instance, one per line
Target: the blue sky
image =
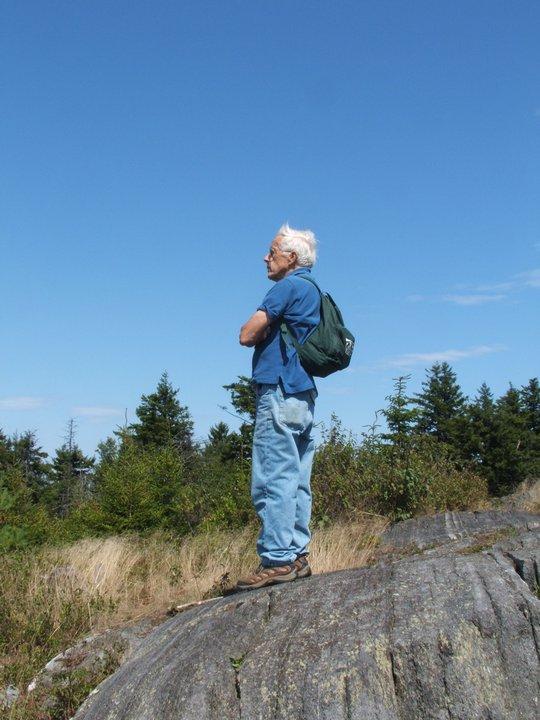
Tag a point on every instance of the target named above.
point(151, 150)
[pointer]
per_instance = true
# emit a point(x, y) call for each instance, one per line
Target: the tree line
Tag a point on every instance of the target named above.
point(439, 449)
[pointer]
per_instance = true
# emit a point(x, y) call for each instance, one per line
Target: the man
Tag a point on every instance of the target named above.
point(285, 399)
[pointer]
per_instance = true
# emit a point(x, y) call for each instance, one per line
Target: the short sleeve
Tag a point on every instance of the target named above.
point(277, 299)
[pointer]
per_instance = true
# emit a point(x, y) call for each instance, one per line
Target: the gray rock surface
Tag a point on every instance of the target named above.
point(436, 530)
point(95, 655)
point(451, 635)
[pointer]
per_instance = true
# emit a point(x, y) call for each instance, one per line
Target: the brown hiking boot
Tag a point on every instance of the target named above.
point(301, 564)
point(267, 576)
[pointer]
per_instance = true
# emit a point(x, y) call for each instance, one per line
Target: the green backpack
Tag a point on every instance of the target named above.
point(330, 346)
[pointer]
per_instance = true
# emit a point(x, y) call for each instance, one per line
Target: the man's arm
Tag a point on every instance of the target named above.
point(255, 329)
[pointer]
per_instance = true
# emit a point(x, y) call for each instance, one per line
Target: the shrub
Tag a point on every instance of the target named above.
point(420, 475)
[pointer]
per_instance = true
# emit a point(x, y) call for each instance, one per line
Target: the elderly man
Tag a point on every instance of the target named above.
point(285, 395)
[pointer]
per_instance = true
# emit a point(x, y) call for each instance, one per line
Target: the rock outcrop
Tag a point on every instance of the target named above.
point(444, 626)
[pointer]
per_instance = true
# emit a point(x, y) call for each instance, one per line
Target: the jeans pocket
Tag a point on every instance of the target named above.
point(295, 413)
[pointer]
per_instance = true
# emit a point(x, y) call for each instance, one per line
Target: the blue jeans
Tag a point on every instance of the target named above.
point(283, 452)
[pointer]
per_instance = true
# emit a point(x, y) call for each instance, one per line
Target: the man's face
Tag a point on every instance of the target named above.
point(279, 263)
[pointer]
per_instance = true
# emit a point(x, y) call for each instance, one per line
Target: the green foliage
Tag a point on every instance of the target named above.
point(419, 475)
point(229, 447)
point(30, 458)
point(155, 477)
point(70, 477)
point(138, 490)
point(22, 522)
point(225, 495)
point(6, 457)
point(399, 417)
point(530, 399)
point(243, 397)
point(243, 401)
point(72, 688)
point(336, 485)
point(441, 404)
point(501, 438)
point(163, 421)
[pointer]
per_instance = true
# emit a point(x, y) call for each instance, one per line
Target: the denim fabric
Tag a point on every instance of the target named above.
point(280, 484)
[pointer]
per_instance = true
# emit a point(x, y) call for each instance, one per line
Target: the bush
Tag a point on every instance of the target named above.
point(418, 476)
point(22, 522)
point(138, 491)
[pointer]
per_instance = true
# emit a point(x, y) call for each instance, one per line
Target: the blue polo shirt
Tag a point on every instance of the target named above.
point(298, 303)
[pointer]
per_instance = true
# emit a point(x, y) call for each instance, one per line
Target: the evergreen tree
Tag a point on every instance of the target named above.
point(143, 488)
point(107, 451)
point(243, 401)
point(219, 443)
point(6, 454)
point(163, 422)
point(530, 403)
point(481, 441)
point(400, 418)
point(441, 404)
point(509, 458)
point(30, 458)
point(484, 399)
point(71, 480)
point(243, 397)
point(229, 446)
point(11, 535)
point(530, 400)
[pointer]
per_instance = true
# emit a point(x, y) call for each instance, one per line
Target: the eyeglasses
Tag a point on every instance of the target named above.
point(272, 253)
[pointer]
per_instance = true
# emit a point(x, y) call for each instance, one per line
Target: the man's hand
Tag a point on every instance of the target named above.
point(255, 329)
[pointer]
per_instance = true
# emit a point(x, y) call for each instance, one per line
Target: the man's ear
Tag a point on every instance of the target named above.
point(293, 258)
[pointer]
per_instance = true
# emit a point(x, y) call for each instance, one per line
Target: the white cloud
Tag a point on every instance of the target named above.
point(530, 278)
point(495, 287)
point(488, 292)
point(410, 359)
point(21, 403)
point(96, 412)
point(472, 299)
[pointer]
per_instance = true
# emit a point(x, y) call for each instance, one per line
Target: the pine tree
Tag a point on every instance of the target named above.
point(400, 418)
point(441, 404)
point(530, 403)
point(530, 400)
point(141, 489)
point(71, 481)
point(225, 445)
point(6, 454)
point(481, 439)
point(509, 456)
point(243, 401)
point(30, 458)
point(107, 451)
point(243, 397)
point(163, 422)
point(484, 399)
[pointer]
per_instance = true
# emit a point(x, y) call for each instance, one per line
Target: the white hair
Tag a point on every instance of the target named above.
point(302, 242)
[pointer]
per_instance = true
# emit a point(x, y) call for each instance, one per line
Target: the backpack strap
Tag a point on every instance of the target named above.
point(285, 331)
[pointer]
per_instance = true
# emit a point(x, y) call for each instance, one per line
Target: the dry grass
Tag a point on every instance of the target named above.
point(124, 578)
point(346, 545)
